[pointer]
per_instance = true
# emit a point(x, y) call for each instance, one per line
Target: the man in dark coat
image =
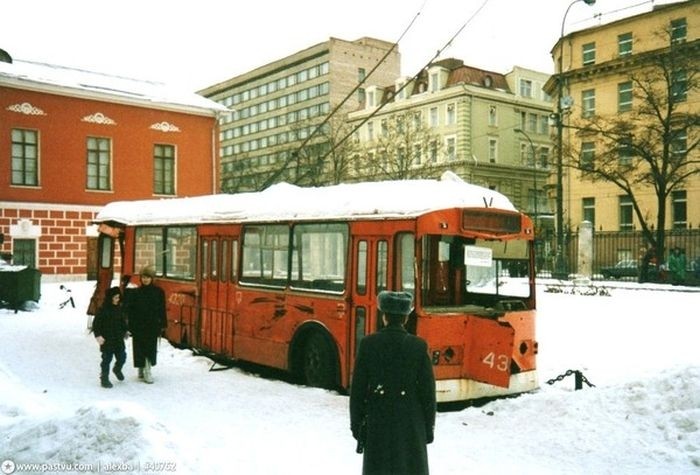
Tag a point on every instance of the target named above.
point(147, 321)
point(392, 396)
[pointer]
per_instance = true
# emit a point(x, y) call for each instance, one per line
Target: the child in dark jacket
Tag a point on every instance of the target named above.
point(110, 329)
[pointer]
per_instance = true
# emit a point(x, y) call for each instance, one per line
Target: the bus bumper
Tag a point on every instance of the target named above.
point(450, 390)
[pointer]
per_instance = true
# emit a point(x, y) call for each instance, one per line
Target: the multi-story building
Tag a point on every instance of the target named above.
point(491, 129)
point(73, 140)
point(273, 132)
point(609, 77)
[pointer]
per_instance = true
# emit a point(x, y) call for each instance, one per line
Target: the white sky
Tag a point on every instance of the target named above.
point(198, 44)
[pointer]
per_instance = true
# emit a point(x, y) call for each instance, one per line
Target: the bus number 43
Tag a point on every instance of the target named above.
point(499, 362)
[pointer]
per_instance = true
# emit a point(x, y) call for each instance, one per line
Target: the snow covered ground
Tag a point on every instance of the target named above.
point(638, 346)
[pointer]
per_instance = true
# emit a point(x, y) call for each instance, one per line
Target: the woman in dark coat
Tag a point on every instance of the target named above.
point(146, 310)
point(110, 329)
point(392, 396)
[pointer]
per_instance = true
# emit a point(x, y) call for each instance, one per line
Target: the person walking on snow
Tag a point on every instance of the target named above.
point(110, 330)
point(146, 311)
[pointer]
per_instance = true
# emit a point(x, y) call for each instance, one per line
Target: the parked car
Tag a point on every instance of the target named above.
point(624, 268)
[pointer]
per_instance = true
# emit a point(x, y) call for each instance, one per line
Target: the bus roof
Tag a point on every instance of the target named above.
point(285, 202)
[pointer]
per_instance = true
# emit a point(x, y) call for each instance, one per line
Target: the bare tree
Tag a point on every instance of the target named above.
point(404, 149)
point(653, 142)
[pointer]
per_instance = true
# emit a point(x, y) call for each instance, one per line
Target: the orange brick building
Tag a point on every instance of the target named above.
point(72, 141)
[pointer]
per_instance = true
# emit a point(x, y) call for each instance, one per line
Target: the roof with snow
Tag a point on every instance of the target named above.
point(283, 202)
point(98, 86)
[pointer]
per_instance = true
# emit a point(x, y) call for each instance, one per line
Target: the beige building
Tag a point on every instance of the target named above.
point(605, 70)
point(484, 126)
point(272, 133)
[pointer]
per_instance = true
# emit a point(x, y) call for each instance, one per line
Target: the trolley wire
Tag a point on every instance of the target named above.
point(294, 155)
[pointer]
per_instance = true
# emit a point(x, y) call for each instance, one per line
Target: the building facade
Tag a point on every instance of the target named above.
point(273, 132)
point(72, 141)
point(612, 78)
point(490, 128)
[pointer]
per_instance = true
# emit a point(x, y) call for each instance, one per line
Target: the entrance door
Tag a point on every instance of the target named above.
point(218, 259)
point(371, 275)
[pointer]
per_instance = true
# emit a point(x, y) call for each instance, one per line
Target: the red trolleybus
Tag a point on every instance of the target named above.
point(288, 277)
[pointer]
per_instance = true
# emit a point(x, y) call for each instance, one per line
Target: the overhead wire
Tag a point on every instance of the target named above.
point(406, 84)
point(328, 117)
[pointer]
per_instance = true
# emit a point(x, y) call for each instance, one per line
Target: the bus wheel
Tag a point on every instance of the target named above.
point(318, 365)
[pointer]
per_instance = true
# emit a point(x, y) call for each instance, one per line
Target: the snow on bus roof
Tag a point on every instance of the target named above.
point(283, 201)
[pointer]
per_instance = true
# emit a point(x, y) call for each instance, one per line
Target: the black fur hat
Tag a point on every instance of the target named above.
point(111, 292)
point(395, 303)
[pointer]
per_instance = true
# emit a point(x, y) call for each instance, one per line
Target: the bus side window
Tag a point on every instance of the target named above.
point(404, 258)
point(382, 265)
point(234, 260)
point(214, 271)
point(361, 277)
point(204, 260)
point(224, 260)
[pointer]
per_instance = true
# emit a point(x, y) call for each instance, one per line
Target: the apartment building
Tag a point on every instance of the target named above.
point(73, 140)
point(272, 133)
point(606, 72)
point(492, 129)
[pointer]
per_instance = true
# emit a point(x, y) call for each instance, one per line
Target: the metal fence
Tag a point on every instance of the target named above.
point(628, 247)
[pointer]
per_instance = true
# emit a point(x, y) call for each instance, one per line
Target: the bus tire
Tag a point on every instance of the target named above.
point(318, 366)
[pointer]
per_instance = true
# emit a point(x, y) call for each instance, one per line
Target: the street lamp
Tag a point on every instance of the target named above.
point(560, 265)
point(534, 169)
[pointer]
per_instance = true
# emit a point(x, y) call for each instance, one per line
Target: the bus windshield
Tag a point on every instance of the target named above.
point(460, 271)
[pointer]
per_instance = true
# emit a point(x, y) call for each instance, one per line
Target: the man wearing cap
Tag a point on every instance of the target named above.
point(146, 311)
point(392, 395)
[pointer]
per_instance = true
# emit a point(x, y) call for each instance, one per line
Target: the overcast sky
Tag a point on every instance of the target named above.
point(195, 44)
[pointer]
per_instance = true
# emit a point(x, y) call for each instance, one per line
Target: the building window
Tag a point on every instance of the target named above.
point(417, 154)
point(589, 210)
point(451, 115)
point(361, 94)
point(626, 213)
point(543, 162)
point(433, 152)
point(433, 116)
point(493, 150)
point(679, 85)
point(25, 157)
point(588, 103)
point(624, 96)
point(625, 152)
point(532, 122)
point(451, 145)
point(24, 252)
point(370, 99)
point(679, 209)
point(370, 130)
point(526, 152)
point(679, 30)
point(525, 88)
point(417, 120)
point(624, 44)
point(98, 163)
point(493, 115)
point(164, 170)
point(434, 82)
point(679, 146)
point(587, 156)
point(589, 53)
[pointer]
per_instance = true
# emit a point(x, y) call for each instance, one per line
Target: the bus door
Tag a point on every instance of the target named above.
point(370, 276)
point(215, 328)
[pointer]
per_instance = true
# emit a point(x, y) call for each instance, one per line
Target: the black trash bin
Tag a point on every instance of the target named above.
point(19, 284)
